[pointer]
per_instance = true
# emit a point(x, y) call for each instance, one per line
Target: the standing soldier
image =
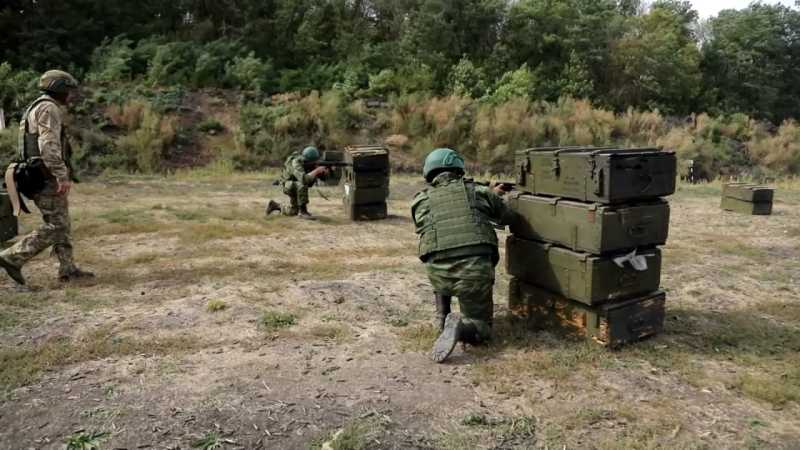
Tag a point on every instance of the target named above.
point(455, 221)
point(43, 137)
point(299, 174)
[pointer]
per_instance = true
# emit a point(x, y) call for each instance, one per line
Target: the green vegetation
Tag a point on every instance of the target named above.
point(216, 306)
point(485, 76)
point(274, 320)
point(85, 441)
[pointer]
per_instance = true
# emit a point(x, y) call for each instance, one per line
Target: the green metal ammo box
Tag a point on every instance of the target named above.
point(597, 175)
point(745, 207)
point(748, 192)
point(580, 276)
point(367, 157)
point(589, 227)
point(367, 180)
point(8, 223)
point(365, 196)
point(611, 324)
point(372, 211)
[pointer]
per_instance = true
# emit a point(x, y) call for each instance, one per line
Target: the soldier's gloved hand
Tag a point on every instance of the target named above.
point(319, 171)
point(64, 187)
point(498, 188)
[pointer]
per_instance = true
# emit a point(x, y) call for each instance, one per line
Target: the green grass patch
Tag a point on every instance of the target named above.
point(776, 390)
point(216, 306)
point(22, 365)
point(86, 441)
point(418, 338)
point(273, 320)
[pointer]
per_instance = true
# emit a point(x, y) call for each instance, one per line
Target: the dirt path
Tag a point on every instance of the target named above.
point(209, 324)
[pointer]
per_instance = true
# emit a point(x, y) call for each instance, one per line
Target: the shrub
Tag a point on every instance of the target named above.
point(17, 89)
point(112, 61)
point(780, 153)
point(520, 83)
point(8, 146)
point(250, 73)
point(211, 66)
point(467, 80)
point(173, 64)
point(211, 126)
point(145, 147)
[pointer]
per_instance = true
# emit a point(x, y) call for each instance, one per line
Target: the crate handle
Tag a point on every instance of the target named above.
point(598, 181)
point(556, 167)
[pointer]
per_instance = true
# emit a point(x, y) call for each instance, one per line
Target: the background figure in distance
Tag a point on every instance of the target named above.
point(44, 137)
point(300, 172)
point(455, 220)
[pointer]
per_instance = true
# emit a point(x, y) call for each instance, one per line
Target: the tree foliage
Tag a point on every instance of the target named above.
point(616, 53)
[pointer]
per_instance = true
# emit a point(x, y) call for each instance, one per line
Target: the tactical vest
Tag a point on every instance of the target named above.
point(454, 220)
point(28, 144)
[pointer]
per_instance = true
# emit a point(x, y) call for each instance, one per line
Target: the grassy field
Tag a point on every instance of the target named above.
point(211, 326)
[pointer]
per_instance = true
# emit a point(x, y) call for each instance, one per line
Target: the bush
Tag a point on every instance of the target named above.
point(8, 146)
point(112, 61)
point(212, 63)
point(780, 154)
point(145, 147)
point(467, 80)
point(173, 64)
point(250, 73)
point(17, 89)
point(211, 126)
point(520, 83)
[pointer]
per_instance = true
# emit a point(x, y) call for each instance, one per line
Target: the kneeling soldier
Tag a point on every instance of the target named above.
point(455, 220)
point(43, 137)
point(300, 172)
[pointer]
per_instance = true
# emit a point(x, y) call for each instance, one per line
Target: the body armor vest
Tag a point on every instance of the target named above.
point(29, 142)
point(453, 220)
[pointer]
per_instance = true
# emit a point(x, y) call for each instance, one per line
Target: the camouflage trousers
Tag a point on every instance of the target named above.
point(471, 280)
point(298, 197)
point(54, 232)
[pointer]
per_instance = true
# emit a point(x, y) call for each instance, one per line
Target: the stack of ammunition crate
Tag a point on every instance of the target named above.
point(583, 253)
point(366, 182)
point(8, 223)
point(747, 198)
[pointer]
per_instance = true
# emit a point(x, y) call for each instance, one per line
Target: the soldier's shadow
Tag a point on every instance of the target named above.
point(688, 333)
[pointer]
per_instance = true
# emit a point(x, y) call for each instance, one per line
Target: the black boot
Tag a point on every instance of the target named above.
point(75, 275)
point(304, 214)
point(447, 341)
point(13, 271)
point(272, 206)
point(442, 309)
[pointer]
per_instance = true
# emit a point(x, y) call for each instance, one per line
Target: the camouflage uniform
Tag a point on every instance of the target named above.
point(295, 182)
point(458, 245)
point(46, 120)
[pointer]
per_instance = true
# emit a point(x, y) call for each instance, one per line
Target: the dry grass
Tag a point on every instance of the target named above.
point(23, 365)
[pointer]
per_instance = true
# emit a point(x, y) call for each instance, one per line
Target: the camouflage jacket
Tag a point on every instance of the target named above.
point(46, 120)
point(294, 169)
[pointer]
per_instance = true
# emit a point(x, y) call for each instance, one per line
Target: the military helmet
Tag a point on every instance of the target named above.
point(442, 159)
point(57, 81)
point(311, 154)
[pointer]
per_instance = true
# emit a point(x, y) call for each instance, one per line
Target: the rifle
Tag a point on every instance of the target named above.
point(506, 186)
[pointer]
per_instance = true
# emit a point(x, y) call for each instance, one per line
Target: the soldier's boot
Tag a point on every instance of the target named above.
point(443, 303)
point(304, 214)
point(272, 206)
point(75, 275)
point(13, 271)
point(448, 339)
